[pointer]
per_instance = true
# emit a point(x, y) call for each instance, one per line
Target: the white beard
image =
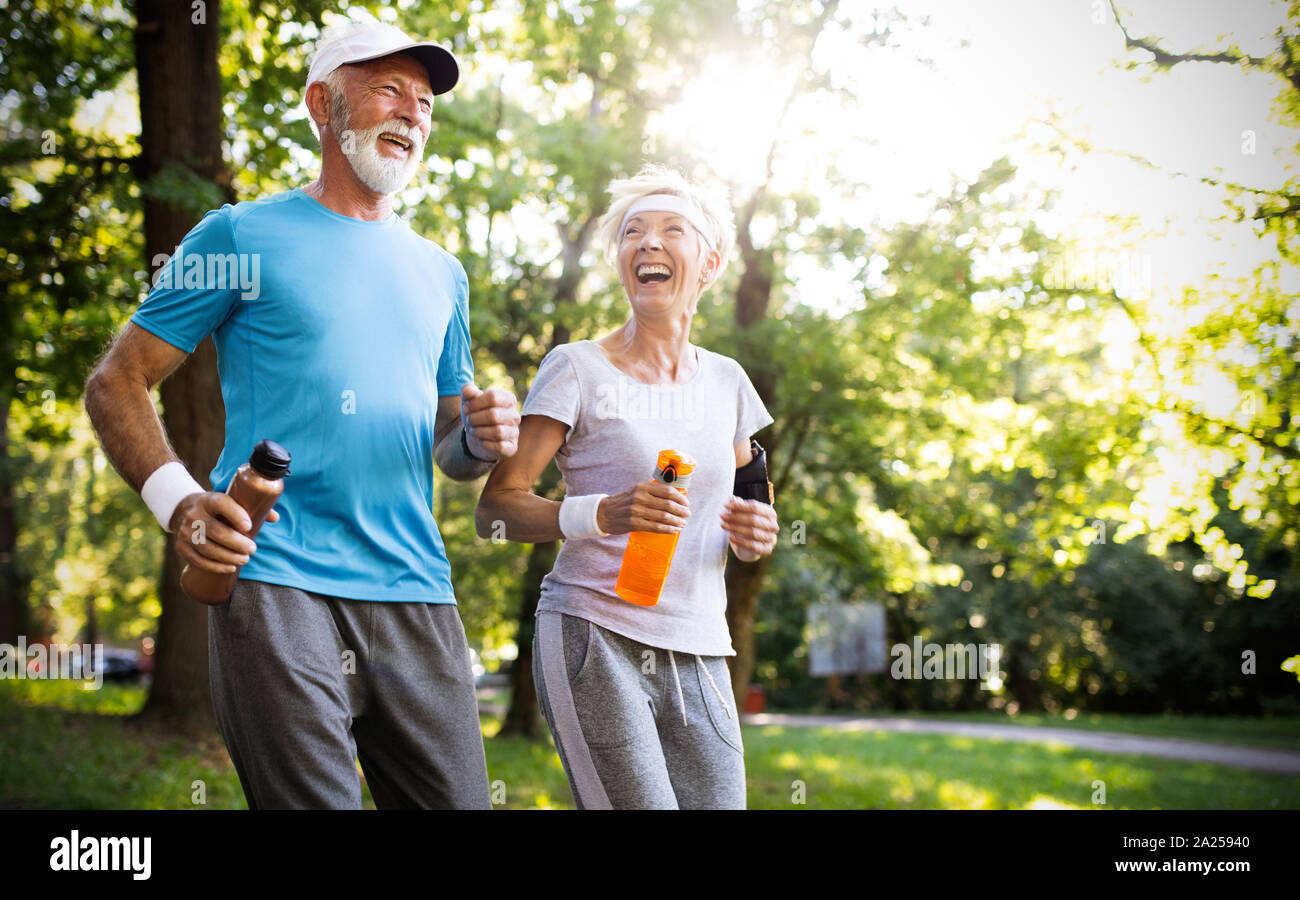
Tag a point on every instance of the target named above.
point(381, 174)
point(384, 175)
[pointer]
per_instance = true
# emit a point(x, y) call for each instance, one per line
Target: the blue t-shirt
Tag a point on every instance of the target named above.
point(335, 337)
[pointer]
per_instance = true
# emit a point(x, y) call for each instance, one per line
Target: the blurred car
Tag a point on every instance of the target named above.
point(121, 665)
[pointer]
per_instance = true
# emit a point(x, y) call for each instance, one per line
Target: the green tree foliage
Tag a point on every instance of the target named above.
point(958, 443)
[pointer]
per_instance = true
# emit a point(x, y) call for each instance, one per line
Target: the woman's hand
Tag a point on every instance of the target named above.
point(650, 506)
point(752, 526)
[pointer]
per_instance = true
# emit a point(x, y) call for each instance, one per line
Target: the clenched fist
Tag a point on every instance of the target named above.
point(752, 527)
point(491, 422)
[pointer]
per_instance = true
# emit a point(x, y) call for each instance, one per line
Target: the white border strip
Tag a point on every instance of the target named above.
point(568, 731)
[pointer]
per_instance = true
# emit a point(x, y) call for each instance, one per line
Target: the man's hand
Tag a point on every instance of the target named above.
point(491, 422)
point(752, 527)
point(205, 541)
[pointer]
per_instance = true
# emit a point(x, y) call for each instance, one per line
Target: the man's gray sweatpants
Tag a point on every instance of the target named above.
point(304, 684)
point(616, 707)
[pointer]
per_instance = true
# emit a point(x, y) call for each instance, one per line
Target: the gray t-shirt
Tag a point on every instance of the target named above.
point(617, 427)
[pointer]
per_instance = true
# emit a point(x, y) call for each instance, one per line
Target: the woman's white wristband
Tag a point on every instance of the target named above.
point(164, 490)
point(578, 516)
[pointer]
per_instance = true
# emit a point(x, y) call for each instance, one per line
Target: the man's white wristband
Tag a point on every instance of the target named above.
point(164, 490)
point(578, 516)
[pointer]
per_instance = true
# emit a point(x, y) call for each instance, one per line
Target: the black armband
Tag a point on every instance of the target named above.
point(751, 478)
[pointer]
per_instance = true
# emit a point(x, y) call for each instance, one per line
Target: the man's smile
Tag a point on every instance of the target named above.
point(393, 140)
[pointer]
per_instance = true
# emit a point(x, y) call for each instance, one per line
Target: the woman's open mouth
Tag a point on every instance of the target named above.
point(653, 273)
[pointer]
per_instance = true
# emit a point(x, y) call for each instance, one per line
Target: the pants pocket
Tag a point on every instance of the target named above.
point(576, 635)
point(610, 704)
point(726, 726)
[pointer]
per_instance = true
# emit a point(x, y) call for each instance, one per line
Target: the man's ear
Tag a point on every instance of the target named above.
point(318, 103)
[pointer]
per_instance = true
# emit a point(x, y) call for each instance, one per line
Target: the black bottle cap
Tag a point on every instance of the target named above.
point(270, 460)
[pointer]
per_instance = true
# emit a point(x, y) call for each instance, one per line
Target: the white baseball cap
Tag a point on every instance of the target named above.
point(364, 41)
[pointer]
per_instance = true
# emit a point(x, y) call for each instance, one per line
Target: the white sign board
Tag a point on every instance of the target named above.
point(846, 638)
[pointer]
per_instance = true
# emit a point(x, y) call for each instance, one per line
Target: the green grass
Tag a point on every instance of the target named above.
point(892, 770)
point(1272, 732)
point(528, 773)
point(111, 699)
point(64, 747)
point(58, 754)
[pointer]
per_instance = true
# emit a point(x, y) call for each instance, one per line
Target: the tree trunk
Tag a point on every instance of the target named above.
point(522, 719)
point(180, 118)
point(1023, 688)
point(744, 584)
point(745, 580)
point(753, 299)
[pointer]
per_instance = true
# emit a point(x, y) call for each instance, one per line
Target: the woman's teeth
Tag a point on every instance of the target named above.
point(653, 272)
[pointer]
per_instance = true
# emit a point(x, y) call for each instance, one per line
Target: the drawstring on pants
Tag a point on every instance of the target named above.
point(678, 681)
point(680, 702)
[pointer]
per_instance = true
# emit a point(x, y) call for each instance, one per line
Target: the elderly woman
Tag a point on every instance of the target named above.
point(639, 697)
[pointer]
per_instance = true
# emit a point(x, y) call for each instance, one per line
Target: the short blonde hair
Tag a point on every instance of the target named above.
point(655, 179)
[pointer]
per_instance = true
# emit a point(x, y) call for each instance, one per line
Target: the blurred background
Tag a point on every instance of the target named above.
point(1016, 280)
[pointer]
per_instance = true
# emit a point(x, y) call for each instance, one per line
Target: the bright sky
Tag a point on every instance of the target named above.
point(997, 67)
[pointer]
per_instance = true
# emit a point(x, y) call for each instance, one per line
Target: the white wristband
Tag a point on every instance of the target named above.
point(578, 516)
point(164, 490)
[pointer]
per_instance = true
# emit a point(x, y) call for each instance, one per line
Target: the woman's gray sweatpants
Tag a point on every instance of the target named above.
point(304, 684)
point(614, 710)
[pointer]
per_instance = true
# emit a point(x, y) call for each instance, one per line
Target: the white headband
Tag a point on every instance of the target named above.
point(673, 204)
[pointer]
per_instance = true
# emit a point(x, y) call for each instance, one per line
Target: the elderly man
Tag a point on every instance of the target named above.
point(342, 638)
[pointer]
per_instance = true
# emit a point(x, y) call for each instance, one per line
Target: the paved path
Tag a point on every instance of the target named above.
point(1281, 761)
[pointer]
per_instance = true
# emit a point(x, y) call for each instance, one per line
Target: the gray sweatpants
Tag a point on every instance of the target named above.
point(615, 711)
point(304, 684)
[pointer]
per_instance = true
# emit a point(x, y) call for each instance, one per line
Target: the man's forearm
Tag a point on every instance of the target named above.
point(449, 454)
point(132, 435)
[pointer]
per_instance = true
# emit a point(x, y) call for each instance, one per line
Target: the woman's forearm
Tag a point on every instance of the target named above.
point(515, 515)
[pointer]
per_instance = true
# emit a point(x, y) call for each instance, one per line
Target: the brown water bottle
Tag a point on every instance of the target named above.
point(256, 486)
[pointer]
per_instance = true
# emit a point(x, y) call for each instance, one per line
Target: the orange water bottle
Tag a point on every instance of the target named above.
point(649, 554)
